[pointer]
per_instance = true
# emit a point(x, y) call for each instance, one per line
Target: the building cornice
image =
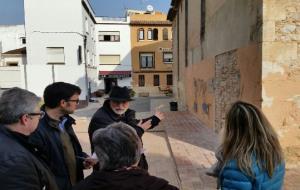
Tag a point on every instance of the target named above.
point(150, 23)
point(173, 9)
point(89, 10)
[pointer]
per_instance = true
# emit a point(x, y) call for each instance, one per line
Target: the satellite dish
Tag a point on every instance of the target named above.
point(149, 8)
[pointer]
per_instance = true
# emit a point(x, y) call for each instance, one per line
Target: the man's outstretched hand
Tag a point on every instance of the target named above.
point(146, 125)
point(159, 115)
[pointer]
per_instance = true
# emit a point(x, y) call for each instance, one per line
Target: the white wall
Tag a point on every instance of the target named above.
point(10, 77)
point(10, 37)
point(122, 48)
point(56, 23)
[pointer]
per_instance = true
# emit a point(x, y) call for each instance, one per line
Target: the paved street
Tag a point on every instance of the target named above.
point(180, 149)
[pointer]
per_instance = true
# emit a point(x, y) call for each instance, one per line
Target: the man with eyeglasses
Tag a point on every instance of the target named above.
point(20, 166)
point(56, 138)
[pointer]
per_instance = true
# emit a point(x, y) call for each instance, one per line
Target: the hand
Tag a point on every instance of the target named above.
point(146, 125)
point(89, 162)
point(159, 115)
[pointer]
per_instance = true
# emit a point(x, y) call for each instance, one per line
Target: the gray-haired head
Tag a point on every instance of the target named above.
point(117, 146)
point(15, 102)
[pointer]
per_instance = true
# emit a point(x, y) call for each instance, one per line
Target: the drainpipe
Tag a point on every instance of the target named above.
point(85, 67)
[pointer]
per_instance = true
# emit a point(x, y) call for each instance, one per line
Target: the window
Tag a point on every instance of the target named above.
point(88, 57)
point(86, 25)
point(150, 34)
point(147, 60)
point(155, 34)
point(155, 80)
point(109, 36)
point(168, 57)
point(169, 79)
point(79, 54)
point(141, 80)
point(55, 55)
point(141, 34)
point(165, 34)
point(203, 15)
point(12, 64)
point(109, 59)
point(23, 40)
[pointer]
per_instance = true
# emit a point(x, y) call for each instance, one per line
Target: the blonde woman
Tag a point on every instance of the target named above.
point(252, 156)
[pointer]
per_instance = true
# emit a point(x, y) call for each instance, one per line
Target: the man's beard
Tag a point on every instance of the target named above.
point(119, 112)
point(66, 111)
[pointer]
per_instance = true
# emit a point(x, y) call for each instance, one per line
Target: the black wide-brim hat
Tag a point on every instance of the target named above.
point(119, 94)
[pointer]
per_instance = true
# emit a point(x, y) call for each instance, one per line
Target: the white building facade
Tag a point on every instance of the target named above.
point(62, 40)
point(12, 56)
point(60, 44)
point(113, 50)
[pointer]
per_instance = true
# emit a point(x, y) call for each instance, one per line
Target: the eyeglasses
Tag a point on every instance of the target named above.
point(41, 114)
point(77, 101)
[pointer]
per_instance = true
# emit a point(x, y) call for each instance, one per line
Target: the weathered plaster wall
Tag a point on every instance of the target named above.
point(223, 66)
point(200, 90)
point(281, 72)
point(181, 53)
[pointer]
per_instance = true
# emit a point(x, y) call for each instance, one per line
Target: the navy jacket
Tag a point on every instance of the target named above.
point(231, 177)
point(47, 139)
point(19, 168)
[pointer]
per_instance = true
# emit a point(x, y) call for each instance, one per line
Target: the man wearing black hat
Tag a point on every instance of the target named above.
point(116, 109)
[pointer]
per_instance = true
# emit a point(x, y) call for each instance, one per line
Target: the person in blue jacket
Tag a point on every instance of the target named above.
point(252, 157)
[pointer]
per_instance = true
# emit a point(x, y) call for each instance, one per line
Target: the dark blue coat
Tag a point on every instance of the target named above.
point(231, 177)
point(47, 139)
point(19, 168)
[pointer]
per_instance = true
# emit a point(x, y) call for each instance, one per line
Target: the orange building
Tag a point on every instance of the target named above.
point(151, 51)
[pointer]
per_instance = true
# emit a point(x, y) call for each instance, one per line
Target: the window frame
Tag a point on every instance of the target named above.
point(110, 55)
point(167, 62)
point(55, 62)
point(151, 35)
point(101, 37)
point(141, 80)
point(153, 60)
point(165, 34)
point(139, 34)
point(169, 82)
point(156, 80)
point(155, 34)
point(23, 40)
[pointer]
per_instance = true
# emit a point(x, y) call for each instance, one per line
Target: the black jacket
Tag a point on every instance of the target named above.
point(105, 116)
point(19, 168)
point(134, 179)
point(47, 139)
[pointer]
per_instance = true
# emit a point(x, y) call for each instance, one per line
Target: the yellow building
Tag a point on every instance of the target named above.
point(151, 52)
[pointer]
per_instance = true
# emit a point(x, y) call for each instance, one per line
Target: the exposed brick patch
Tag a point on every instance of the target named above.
point(227, 86)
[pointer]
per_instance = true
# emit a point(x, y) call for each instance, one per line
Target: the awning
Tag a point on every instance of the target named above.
point(114, 74)
point(16, 51)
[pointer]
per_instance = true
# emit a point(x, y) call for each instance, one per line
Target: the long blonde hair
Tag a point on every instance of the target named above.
point(247, 135)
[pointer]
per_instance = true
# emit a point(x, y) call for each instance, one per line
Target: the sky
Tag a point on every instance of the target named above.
point(12, 11)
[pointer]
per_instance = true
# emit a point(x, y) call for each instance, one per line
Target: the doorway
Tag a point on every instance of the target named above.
point(109, 83)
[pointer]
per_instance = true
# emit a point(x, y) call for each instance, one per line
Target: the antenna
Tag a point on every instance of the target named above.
point(150, 8)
